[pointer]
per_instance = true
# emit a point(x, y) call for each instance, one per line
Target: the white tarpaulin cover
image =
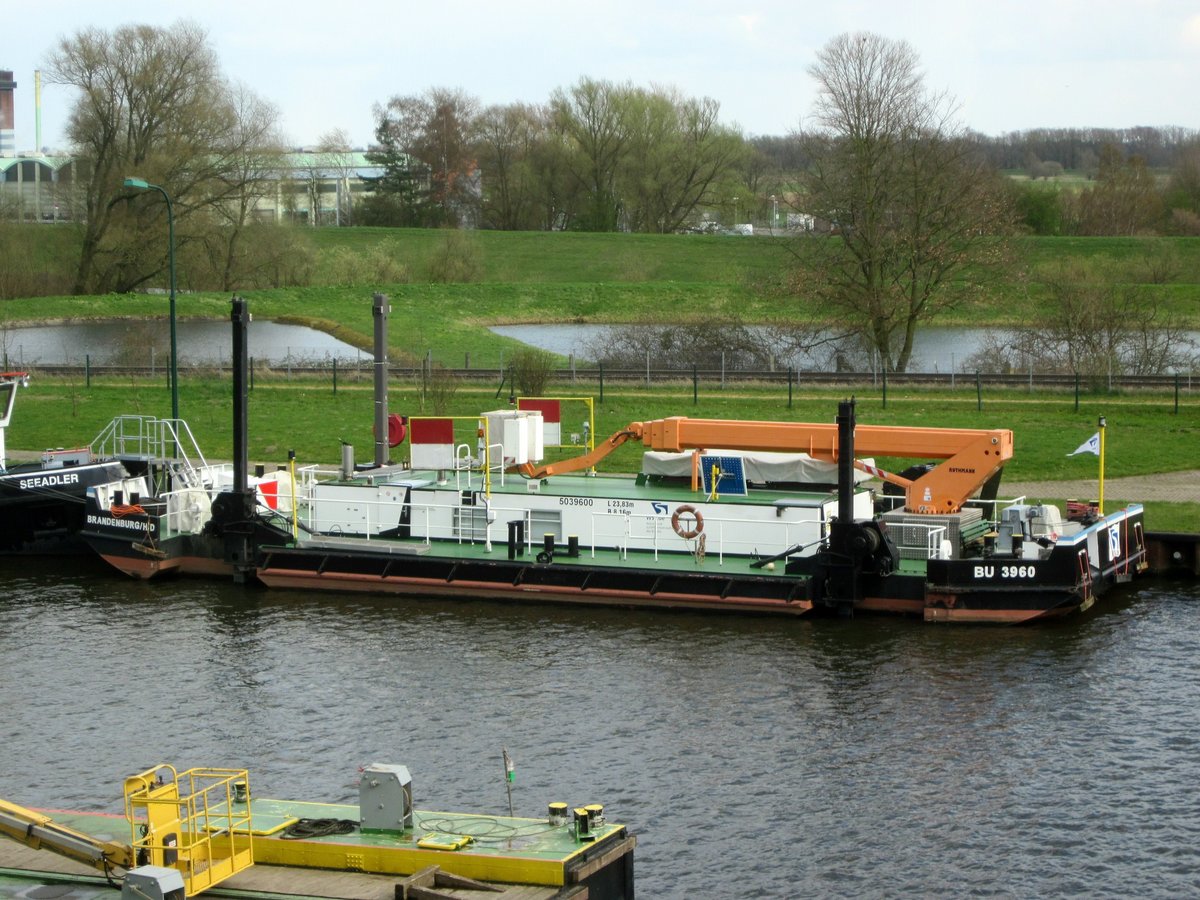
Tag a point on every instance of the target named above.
point(761, 467)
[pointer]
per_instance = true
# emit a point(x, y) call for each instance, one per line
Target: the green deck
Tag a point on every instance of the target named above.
point(491, 835)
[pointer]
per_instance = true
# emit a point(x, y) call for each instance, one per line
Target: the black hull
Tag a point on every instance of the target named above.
point(42, 509)
point(141, 545)
point(995, 590)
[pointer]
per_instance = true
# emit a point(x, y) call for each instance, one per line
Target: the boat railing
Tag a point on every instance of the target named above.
point(935, 545)
point(466, 466)
point(485, 522)
point(721, 535)
point(168, 443)
point(991, 508)
point(212, 477)
point(307, 476)
point(493, 462)
point(188, 509)
point(192, 821)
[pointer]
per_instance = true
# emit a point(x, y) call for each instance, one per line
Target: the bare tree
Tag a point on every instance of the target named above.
point(152, 103)
point(711, 343)
point(507, 139)
point(912, 212)
point(255, 171)
point(336, 158)
point(1125, 199)
point(679, 152)
point(593, 119)
point(1095, 323)
point(428, 157)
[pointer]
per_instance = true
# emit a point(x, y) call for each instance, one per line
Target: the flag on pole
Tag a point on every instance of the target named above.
point(1091, 445)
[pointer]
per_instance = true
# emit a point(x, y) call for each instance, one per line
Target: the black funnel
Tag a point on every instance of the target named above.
point(241, 398)
point(380, 309)
point(845, 460)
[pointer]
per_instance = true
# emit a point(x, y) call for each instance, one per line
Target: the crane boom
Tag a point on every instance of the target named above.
point(970, 456)
point(40, 832)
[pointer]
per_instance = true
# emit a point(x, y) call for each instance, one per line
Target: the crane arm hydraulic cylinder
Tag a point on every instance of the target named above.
point(40, 832)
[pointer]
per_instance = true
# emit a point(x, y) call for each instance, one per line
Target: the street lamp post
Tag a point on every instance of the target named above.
point(143, 185)
point(774, 213)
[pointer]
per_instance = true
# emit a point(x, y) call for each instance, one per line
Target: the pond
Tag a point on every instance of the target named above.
point(934, 350)
point(147, 341)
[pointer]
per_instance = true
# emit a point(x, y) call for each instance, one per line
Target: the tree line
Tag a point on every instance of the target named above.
point(597, 156)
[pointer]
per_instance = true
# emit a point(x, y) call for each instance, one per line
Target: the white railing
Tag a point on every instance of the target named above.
point(167, 442)
point(466, 465)
point(186, 512)
point(487, 522)
point(724, 536)
point(930, 548)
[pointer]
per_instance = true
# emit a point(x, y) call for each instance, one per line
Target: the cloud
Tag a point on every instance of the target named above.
point(1191, 32)
point(750, 22)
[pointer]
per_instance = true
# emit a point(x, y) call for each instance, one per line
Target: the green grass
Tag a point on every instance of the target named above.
point(674, 275)
point(447, 319)
point(601, 278)
point(1144, 435)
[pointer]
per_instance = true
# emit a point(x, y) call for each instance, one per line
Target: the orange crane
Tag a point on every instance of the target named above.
point(970, 456)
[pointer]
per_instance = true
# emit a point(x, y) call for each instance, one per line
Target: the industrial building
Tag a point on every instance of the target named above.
point(311, 188)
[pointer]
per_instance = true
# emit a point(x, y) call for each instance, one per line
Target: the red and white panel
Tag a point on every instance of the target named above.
point(432, 443)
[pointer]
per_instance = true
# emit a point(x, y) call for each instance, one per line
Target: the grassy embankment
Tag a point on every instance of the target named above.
point(605, 278)
point(618, 278)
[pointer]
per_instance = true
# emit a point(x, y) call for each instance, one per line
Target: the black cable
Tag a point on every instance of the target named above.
point(314, 828)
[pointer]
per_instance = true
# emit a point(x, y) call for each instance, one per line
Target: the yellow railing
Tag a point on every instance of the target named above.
point(196, 821)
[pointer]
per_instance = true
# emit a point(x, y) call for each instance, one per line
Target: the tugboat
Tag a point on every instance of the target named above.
point(42, 502)
point(176, 513)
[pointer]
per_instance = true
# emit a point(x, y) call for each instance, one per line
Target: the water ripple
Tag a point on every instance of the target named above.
point(753, 757)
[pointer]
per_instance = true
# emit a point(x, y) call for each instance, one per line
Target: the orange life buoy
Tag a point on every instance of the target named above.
point(680, 530)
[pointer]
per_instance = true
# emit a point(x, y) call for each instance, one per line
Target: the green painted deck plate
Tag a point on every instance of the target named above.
point(491, 835)
point(263, 822)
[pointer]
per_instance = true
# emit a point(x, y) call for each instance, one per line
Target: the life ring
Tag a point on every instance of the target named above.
point(679, 529)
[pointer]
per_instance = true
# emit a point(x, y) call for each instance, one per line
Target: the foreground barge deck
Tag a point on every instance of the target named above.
point(203, 830)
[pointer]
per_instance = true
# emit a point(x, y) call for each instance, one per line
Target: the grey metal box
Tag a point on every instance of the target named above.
point(385, 798)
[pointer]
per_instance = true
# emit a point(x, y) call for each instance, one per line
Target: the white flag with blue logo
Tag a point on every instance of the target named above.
point(1091, 445)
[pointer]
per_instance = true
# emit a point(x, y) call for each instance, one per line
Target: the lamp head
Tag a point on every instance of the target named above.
point(140, 183)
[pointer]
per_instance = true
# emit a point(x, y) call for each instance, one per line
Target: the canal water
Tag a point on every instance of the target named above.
point(752, 757)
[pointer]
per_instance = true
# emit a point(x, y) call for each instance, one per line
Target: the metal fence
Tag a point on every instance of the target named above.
point(597, 377)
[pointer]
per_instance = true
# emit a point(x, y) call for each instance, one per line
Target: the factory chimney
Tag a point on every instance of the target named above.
point(8, 135)
point(37, 109)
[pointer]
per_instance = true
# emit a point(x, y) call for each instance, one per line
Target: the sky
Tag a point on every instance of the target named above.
point(1011, 65)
